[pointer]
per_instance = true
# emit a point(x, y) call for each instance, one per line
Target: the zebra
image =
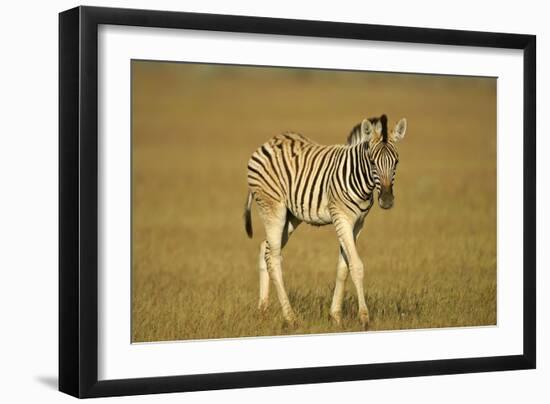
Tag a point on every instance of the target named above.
point(293, 179)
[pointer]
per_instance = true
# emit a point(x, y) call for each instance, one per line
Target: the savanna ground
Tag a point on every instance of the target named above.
point(430, 261)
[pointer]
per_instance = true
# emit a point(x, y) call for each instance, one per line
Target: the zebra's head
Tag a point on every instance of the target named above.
point(382, 154)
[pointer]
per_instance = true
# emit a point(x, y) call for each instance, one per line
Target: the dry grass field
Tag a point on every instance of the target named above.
point(430, 261)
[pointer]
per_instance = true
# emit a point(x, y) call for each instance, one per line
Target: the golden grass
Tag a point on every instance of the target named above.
point(430, 261)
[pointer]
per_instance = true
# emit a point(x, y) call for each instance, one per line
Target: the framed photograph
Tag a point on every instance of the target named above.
point(192, 146)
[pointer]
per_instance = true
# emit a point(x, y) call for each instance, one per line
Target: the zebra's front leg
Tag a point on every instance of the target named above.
point(341, 277)
point(345, 231)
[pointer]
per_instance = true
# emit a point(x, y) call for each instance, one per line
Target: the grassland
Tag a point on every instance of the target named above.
point(430, 261)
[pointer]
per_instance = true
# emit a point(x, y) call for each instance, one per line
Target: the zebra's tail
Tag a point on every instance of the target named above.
point(247, 216)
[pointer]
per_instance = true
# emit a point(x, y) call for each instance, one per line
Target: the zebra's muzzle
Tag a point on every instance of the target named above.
point(385, 200)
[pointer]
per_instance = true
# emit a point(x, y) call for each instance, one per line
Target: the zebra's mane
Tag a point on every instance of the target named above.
point(356, 137)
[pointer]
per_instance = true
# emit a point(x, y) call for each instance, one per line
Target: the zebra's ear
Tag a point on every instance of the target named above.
point(378, 128)
point(367, 130)
point(398, 132)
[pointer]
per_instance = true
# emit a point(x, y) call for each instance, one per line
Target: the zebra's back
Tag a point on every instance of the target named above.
point(291, 169)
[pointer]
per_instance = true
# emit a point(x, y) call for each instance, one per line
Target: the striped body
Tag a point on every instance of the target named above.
point(293, 179)
point(312, 179)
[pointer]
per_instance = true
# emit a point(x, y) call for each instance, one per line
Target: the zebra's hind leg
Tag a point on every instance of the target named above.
point(291, 224)
point(264, 278)
point(277, 224)
point(341, 277)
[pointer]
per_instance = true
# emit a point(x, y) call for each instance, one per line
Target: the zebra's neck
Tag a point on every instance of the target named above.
point(361, 181)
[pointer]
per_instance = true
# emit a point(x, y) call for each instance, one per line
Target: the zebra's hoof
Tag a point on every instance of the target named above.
point(262, 307)
point(336, 317)
point(364, 319)
point(291, 321)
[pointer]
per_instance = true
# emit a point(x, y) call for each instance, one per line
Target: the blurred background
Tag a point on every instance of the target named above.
point(430, 261)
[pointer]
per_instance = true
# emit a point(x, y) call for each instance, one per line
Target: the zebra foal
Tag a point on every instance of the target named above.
point(293, 179)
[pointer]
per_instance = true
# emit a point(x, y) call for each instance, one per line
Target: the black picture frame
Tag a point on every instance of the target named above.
point(78, 201)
